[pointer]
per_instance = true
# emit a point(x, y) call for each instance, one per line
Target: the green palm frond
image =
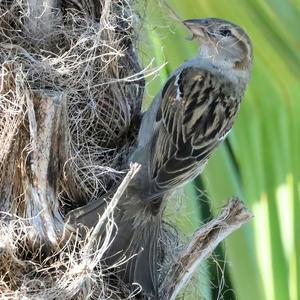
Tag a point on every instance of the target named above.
point(261, 160)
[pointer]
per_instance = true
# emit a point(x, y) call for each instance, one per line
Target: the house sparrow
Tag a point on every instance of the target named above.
point(187, 120)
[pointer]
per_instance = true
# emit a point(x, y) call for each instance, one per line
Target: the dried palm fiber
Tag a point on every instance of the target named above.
point(71, 91)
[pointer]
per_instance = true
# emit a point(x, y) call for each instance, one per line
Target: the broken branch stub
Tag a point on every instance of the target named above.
point(203, 242)
point(43, 165)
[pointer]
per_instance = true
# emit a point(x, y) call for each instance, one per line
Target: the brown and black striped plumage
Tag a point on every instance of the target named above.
point(186, 122)
point(196, 112)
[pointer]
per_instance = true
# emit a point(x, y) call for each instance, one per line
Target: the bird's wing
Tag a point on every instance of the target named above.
point(195, 114)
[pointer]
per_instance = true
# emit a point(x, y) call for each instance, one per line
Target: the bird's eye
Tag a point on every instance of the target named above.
point(225, 32)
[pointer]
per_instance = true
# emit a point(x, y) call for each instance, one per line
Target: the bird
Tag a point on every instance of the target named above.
point(187, 120)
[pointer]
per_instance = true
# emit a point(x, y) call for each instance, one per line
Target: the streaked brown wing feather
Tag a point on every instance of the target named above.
point(195, 114)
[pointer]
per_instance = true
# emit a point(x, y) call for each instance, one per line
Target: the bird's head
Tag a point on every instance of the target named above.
point(222, 41)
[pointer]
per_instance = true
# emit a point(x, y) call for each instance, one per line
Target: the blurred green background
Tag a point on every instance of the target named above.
point(260, 160)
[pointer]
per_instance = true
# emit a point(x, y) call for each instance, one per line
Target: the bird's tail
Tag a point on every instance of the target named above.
point(135, 242)
point(139, 246)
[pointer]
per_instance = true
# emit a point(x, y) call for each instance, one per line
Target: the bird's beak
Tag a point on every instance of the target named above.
point(198, 27)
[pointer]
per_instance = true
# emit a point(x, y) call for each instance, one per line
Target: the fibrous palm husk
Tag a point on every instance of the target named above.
point(71, 92)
